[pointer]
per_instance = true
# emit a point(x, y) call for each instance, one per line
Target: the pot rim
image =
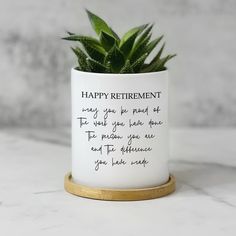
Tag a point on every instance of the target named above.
point(73, 70)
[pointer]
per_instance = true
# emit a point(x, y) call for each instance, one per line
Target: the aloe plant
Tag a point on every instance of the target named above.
point(111, 54)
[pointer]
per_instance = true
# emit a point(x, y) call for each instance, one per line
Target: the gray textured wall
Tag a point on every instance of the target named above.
point(35, 63)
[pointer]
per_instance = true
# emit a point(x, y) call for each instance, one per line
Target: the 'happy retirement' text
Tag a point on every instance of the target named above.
point(102, 95)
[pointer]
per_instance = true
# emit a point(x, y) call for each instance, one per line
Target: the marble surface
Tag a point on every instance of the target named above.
point(33, 202)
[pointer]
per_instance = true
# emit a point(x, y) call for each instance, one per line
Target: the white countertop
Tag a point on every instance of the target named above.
point(33, 202)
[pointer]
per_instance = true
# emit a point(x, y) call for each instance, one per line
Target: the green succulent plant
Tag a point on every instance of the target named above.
point(112, 54)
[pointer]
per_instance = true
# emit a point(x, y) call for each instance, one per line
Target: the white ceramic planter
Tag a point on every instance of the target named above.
point(109, 109)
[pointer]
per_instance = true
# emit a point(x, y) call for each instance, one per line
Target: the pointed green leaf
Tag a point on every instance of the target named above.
point(91, 45)
point(161, 63)
point(107, 41)
point(158, 56)
point(96, 66)
point(96, 52)
point(153, 44)
point(98, 24)
point(70, 33)
point(151, 66)
point(138, 64)
point(158, 65)
point(116, 58)
point(81, 59)
point(139, 47)
point(114, 34)
point(144, 35)
point(82, 39)
point(131, 33)
point(138, 51)
point(126, 68)
point(127, 46)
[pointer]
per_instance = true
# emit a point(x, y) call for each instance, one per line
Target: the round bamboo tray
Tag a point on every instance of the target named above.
point(119, 194)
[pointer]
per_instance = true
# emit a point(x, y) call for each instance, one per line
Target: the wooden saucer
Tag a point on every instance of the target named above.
point(119, 194)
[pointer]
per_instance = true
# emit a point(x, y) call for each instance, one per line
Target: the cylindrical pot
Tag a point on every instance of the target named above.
point(119, 129)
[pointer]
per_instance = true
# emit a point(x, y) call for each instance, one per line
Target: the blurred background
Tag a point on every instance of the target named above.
point(35, 62)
